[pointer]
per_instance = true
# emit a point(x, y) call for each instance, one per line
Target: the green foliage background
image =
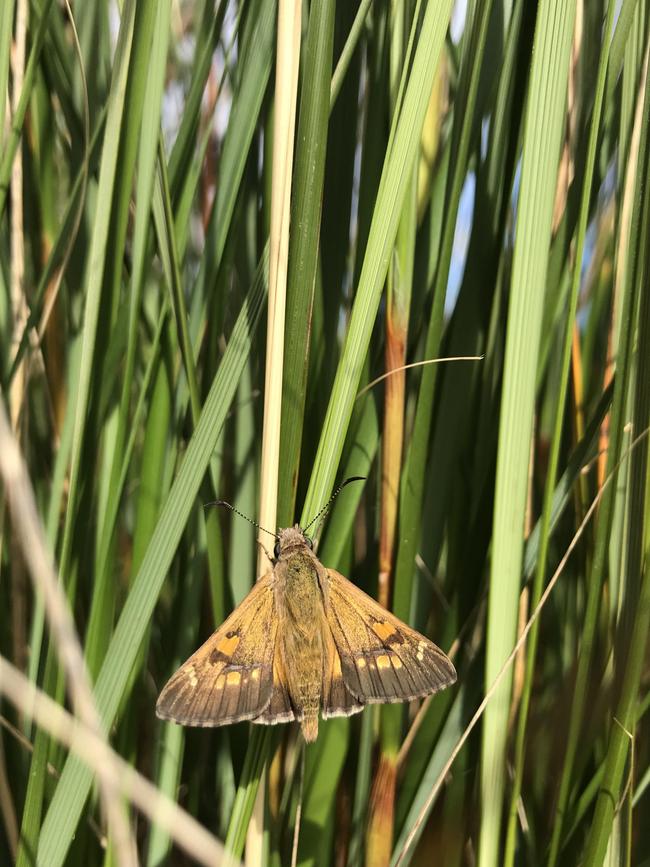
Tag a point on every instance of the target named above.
point(140, 400)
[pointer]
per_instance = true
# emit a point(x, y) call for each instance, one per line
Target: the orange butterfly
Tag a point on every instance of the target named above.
point(304, 641)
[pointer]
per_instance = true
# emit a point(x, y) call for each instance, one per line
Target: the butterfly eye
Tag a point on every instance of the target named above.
point(276, 549)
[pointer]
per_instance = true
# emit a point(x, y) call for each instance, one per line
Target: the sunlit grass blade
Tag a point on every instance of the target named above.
point(541, 146)
point(540, 574)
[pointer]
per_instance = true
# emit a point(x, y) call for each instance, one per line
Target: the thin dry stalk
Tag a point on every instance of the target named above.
point(19, 313)
point(416, 364)
point(382, 799)
point(286, 88)
point(296, 829)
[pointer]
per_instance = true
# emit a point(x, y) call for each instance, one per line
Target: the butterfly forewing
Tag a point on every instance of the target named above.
point(382, 659)
point(230, 677)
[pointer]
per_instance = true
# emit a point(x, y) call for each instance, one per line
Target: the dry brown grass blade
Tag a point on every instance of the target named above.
point(379, 841)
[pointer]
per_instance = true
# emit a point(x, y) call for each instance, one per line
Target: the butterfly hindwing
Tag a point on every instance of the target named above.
point(382, 659)
point(336, 699)
point(230, 677)
point(279, 708)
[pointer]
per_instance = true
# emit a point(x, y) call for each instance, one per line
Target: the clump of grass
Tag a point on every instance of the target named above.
point(136, 182)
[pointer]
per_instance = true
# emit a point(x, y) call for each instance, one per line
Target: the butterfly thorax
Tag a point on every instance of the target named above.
point(300, 609)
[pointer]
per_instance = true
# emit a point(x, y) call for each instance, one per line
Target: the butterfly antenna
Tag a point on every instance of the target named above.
point(241, 515)
point(327, 505)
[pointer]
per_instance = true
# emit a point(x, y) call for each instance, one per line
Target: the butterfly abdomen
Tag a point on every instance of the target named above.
point(300, 610)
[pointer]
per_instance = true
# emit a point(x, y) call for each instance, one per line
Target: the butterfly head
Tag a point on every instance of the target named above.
point(290, 540)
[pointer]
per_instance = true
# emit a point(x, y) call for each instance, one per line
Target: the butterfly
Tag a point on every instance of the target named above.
point(304, 642)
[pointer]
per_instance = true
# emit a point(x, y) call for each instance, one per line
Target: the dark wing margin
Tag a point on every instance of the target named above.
point(230, 677)
point(382, 659)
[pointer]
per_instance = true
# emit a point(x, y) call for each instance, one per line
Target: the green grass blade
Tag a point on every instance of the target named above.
point(258, 750)
point(562, 389)
point(542, 135)
point(318, 820)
